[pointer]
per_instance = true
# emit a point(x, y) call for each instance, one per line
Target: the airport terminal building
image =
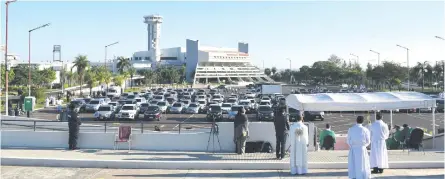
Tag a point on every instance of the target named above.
point(203, 64)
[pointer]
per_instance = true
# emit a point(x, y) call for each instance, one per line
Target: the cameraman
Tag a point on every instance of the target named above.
point(241, 123)
point(281, 123)
point(73, 127)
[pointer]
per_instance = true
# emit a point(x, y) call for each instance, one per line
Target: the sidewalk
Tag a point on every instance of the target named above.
point(122, 159)
point(13, 172)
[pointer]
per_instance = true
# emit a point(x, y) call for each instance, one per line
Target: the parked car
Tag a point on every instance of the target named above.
point(248, 106)
point(159, 97)
point(293, 114)
point(193, 108)
point(143, 107)
point(140, 100)
point(94, 105)
point(128, 111)
point(265, 103)
point(177, 108)
point(214, 113)
point(265, 112)
point(439, 104)
point(79, 105)
point(105, 112)
point(312, 115)
point(163, 106)
point(226, 107)
point(233, 111)
point(153, 112)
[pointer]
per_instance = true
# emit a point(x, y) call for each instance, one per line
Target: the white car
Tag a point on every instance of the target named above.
point(248, 94)
point(217, 97)
point(140, 100)
point(162, 106)
point(113, 92)
point(232, 101)
point(226, 107)
point(265, 103)
point(128, 111)
point(159, 97)
point(265, 99)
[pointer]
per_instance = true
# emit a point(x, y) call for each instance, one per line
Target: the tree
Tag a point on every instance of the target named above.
point(122, 64)
point(11, 75)
point(132, 72)
point(118, 80)
point(107, 77)
point(267, 71)
point(274, 70)
point(48, 75)
point(81, 63)
point(91, 80)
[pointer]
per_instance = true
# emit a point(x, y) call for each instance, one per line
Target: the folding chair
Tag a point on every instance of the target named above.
point(123, 135)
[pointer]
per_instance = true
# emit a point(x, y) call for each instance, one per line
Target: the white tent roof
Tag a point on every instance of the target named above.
point(359, 101)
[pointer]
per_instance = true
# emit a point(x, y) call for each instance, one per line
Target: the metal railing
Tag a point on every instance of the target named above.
point(106, 126)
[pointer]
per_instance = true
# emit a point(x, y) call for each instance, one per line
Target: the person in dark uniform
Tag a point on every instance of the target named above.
point(281, 123)
point(73, 126)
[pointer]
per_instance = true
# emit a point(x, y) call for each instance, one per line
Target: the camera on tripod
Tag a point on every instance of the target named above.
point(215, 113)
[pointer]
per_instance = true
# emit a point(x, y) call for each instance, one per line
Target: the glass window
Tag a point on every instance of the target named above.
point(177, 105)
point(94, 102)
point(127, 108)
point(104, 108)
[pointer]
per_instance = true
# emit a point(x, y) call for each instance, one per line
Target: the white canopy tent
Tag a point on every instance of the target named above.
point(362, 102)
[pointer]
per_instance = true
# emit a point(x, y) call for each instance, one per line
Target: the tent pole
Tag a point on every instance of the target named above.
point(390, 113)
point(434, 125)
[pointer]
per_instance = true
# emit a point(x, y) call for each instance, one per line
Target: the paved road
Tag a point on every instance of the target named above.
point(19, 172)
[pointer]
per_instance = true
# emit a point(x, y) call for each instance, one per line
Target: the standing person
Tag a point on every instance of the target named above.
point(241, 123)
point(379, 153)
point(299, 137)
point(358, 160)
point(281, 124)
point(326, 132)
point(73, 126)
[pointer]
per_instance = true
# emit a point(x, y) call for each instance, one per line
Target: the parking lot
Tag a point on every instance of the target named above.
point(340, 122)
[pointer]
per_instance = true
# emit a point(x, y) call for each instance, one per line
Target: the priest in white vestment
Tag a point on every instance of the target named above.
point(379, 153)
point(358, 159)
point(299, 137)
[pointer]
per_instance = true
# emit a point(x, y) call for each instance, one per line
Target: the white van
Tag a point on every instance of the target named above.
point(114, 92)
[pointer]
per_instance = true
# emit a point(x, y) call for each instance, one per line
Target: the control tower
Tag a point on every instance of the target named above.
point(154, 31)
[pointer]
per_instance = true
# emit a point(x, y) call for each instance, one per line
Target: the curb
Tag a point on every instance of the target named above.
point(196, 165)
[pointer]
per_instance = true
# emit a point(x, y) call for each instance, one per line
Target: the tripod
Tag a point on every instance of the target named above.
point(214, 131)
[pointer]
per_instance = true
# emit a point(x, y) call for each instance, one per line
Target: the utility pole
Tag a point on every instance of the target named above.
point(6, 60)
point(378, 56)
point(106, 46)
point(407, 61)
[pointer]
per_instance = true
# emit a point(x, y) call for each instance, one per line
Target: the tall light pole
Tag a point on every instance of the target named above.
point(29, 56)
point(106, 46)
point(356, 56)
point(378, 56)
point(407, 61)
point(6, 59)
point(290, 69)
point(441, 38)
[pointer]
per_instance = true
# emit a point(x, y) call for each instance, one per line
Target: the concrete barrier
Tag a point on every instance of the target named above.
point(159, 141)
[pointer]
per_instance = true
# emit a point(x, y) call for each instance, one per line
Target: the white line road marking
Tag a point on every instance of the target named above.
point(184, 120)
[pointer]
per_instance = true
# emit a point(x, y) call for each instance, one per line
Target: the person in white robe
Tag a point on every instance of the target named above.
point(379, 152)
point(299, 137)
point(358, 159)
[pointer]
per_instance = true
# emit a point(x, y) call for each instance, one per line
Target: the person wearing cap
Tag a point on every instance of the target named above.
point(379, 152)
point(359, 138)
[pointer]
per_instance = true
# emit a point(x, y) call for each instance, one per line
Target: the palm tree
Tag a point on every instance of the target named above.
point(107, 78)
point(122, 64)
point(91, 80)
point(69, 76)
point(81, 63)
point(132, 72)
point(117, 80)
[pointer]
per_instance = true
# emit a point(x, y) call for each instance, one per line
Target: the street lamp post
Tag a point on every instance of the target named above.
point(378, 56)
point(290, 69)
point(6, 59)
point(356, 56)
point(106, 46)
point(29, 57)
point(441, 38)
point(407, 61)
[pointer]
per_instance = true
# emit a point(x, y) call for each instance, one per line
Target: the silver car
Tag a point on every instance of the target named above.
point(193, 108)
point(177, 108)
point(94, 105)
point(226, 107)
point(105, 112)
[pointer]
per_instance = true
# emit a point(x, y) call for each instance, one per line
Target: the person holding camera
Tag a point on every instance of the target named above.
point(73, 127)
point(241, 134)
